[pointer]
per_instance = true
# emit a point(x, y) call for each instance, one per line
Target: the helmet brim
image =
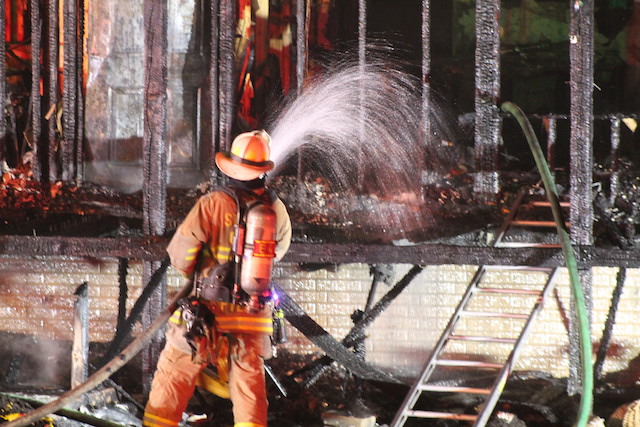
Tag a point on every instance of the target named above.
point(240, 171)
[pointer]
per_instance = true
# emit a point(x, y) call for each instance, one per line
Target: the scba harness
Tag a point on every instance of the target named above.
point(245, 280)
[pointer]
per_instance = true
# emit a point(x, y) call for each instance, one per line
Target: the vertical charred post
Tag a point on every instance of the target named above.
point(70, 93)
point(214, 76)
point(79, 88)
point(3, 79)
point(36, 106)
point(552, 135)
point(226, 70)
point(614, 184)
point(51, 90)
point(303, 14)
point(80, 352)
point(154, 161)
point(426, 88)
point(487, 84)
point(581, 53)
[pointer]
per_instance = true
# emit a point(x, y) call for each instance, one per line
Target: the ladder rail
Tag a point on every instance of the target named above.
point(429, 366)
point(407, 409)
point(501, 381)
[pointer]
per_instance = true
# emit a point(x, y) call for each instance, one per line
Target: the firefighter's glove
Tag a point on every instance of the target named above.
point(199, 322)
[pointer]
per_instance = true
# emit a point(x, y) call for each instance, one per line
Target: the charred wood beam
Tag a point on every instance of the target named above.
point(70, 95)
point(581, 51)
point(427, 143)
point(51, 91)
point(79, 90)
point(35, 102)
point(3, 79)
point(65, 225)
point(607, 332)
point(154, 163)
point(581, 217)
point(80, 351)
point(214, 85)
point(153, 248)
point(356, 335)
point(323, 339)
point(487, 83)
point(226, 71)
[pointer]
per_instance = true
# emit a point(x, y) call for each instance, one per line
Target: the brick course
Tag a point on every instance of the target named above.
point(37, 298)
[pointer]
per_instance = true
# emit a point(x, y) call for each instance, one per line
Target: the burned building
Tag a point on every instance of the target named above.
point(400, 167)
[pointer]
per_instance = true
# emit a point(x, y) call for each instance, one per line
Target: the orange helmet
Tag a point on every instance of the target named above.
point(248, 158)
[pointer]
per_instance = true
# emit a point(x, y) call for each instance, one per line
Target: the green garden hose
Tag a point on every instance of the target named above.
point(584, 330)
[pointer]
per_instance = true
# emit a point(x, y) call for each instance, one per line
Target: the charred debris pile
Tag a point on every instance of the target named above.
point(446, 212)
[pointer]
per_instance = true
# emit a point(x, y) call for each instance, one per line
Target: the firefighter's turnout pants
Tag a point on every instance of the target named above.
point(238, 346)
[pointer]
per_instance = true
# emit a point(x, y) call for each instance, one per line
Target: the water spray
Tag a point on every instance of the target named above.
point(361, 127)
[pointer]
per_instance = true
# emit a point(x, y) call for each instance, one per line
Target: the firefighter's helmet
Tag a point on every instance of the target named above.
point(248, 158)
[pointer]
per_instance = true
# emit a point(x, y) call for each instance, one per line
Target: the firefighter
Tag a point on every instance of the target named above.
point(221, 323)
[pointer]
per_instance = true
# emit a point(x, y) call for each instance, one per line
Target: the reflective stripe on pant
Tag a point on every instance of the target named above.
point(172, 387)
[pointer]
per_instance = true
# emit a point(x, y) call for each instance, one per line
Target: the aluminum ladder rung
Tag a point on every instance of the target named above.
point(526, 223)
point(468, 364)
point(476, 338)
point(547, 204)
point(475, 289)
point(454, 389)
point(527, 245)
point(441, 415)
point(509, 291)
point(518, 268)
point(494, 314)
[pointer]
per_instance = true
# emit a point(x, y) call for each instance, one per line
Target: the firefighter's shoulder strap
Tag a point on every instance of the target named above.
point(246, 199)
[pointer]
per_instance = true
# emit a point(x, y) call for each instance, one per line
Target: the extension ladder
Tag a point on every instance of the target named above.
point(416, 409)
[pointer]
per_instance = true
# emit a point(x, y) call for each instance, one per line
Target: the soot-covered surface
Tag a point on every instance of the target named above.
point(532, 399)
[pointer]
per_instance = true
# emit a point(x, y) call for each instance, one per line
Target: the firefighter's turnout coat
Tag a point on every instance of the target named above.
point(239, 340)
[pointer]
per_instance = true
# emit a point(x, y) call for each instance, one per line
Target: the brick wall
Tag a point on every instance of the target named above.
point(37, 298)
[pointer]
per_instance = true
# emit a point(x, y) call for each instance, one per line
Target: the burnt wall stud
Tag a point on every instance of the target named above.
point(51, 89)
point(426, 87)
point(70, 95)
point(581, 52)
point(36, 106)
point(487, 84)
point(3, 79)
point(226, 73)
point(154, 161)
point(214, 77)
point(80, 351)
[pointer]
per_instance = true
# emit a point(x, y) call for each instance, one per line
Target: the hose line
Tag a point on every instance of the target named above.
point(584, 331)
